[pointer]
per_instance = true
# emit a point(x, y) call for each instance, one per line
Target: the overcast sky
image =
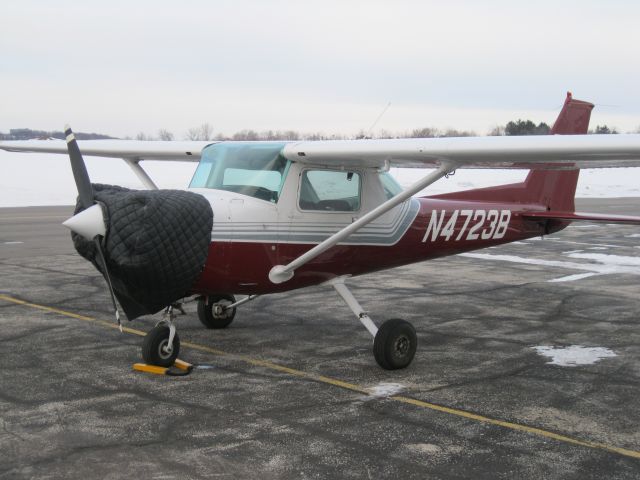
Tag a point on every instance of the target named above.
point(124, 67)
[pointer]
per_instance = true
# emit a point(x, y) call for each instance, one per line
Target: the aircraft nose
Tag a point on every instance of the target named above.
point(88, 223)
point(155, 243)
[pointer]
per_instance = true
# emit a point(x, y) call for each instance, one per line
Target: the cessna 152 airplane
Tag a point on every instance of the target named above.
point(266, 217)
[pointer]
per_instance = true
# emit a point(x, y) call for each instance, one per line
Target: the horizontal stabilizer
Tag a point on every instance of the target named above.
point(583, 217)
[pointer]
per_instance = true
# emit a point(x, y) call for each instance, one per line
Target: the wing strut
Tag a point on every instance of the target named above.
point(140, 172)
point(282, 273)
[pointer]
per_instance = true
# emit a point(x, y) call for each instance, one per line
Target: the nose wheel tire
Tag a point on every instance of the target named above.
point(154, 347)
point(212, 313)
point(395, 344)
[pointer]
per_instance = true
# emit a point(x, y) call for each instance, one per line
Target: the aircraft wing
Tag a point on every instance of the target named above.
point(188, 151)
point(544, 152)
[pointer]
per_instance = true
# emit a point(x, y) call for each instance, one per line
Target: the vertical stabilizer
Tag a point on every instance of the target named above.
point(573, 118)
point(557, 189)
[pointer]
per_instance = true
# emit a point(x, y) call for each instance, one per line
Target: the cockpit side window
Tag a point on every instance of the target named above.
point(256, 169)
point(329, 190)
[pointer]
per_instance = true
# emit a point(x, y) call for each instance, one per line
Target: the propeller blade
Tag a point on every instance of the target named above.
point(90, 221)
point(83, 184)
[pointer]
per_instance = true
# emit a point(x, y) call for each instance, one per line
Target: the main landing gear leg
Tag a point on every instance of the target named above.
point(218, 311)
point(395, 342)
point(161, 345)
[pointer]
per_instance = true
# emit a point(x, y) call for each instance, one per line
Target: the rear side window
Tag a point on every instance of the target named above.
point(329, 190)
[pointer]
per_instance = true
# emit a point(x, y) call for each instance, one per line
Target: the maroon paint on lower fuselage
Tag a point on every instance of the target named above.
point(243, 267)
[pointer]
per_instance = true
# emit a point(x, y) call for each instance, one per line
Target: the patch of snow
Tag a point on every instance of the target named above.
point(633, 235)
point(385, 390)
point(599, 183)
point(574, 355)
point(433, 450)
point(426, 448)
point(573, 278)
point(606, 264)
point(559, 240)
point(30, 179)
point(607, 259)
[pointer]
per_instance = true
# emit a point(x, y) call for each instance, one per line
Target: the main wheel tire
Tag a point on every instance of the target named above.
point(210, 313)
point(395, 344)
point(154, 344)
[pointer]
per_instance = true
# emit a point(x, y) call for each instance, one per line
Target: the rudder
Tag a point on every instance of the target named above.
point(557, 189)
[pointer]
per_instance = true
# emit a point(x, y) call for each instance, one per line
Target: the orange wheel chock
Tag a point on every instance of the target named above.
point(178, 369)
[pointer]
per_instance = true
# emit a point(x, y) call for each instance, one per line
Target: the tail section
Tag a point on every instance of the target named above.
point(557, 189)
point(574, 117)
point(552, 188)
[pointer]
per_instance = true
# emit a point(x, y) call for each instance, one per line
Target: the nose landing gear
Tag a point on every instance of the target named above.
point(157, 348)
point(161, 345)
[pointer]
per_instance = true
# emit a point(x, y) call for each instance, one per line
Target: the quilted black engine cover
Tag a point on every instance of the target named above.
point(155, 247)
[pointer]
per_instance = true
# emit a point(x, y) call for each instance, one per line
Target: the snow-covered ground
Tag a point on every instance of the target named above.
point(46, 179)
point(574, 355)
point(29, 179)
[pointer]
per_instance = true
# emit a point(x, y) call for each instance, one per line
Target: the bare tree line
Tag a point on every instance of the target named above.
point(206, 132)
point(519, 127)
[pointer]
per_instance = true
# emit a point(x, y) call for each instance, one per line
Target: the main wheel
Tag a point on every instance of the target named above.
point(395, 344)
point(154, 347)
point(212, 313)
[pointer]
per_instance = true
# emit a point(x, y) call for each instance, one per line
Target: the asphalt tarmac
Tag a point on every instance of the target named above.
point(291, 389)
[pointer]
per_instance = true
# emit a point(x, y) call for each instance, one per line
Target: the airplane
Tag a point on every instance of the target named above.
point(267, 217)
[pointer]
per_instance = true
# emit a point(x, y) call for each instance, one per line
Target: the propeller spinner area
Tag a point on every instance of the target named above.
point(150, 245)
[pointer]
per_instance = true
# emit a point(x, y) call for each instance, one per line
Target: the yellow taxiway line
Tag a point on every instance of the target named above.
point(348, 386)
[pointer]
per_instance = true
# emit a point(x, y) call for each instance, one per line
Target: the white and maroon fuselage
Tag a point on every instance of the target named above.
point(250, 236)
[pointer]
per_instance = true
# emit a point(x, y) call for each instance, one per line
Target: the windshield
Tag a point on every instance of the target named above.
point(251, 168)
point(391, 187)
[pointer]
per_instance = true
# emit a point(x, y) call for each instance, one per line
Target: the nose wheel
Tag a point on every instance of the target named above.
point(157, 349)
point(161, 345)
